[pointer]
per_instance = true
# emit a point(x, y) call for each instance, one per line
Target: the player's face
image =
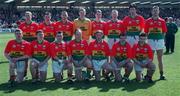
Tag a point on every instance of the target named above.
point(122, 38)
point(28, 16)
point(155, 11)
point(18, 35)
point(78, 35)
point(99, 36)
point(114, 14)
point(98, 15)
point(40, 36)
point(142, 39)
point(59, 37)
point(64, 16)
point(132, 11)
point(82, 13)
point(47, 17)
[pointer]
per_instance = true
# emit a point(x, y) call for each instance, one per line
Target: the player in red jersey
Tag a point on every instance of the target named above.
point(99, 53)
point(98, 23)
point(40, 55)
point(134, 24)
point(156, 29)
point(16, 52)
point(29, 27)
point(48, 27)
point(60, 54)
point(78, 52)
point(143, 57)
point(121, 57)
point(113, 28)
point(65, 26)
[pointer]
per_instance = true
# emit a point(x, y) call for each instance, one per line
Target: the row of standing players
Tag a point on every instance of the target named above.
point(132, 25)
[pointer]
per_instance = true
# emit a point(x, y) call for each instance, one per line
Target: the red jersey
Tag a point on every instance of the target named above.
point(98, 51)
point(66, 28)
point(155, 28)
point(40, 51)
point(113, 29)
point(142, 52)
point(78, 49)
point(15, 49)
point(59, 50)
point(121, 52)
point(133, 26)
point(49, 31)
point(97, 26)
point(29, 31)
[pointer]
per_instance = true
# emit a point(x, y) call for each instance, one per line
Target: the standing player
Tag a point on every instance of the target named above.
point(29, 29)
point(143, 57)
point(39, 57)
point(114, 28)
point(60, 57)
point(48, 27)
point(65, 26)
point(78, 51)
point(99, 54)
point(16, 52)
point(84, 24)
point(155, 27)
point(121, 57)
point(134, 24)
point(98, 23)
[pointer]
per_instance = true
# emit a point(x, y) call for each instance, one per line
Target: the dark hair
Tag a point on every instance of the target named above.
point(132, 6)
point(39, 31)
point(59, 32)
point(142, 34)
point(99, 31)
point(122, 34)
point(17, 30)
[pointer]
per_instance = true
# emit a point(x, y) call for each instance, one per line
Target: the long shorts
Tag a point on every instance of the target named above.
point(156, 44)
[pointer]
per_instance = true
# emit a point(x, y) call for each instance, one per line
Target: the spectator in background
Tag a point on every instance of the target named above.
point(170, 35)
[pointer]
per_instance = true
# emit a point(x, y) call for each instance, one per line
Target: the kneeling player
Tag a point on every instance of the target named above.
point(121, 57)
point(143, 57)
point(40, 56)
point(78, 51)
point(99, 53)
point(60, 58)
point(16, 52)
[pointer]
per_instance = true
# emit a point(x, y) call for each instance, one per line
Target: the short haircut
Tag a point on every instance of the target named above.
point(132, 6)
point(28, 12)
point(82, 9)
point(39, 31)
point(99, 31)
point(122, 34)
point(142, 34)
point(59, 32)
point(78, 30)
point(18, 30)
point(47, 13)
point(98, 11)
point(154, 7)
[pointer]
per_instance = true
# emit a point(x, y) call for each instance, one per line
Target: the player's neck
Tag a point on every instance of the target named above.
point(59, 41)
point(19, 40)
point(82, 18)
point(64, 21)
point(114, 19)
point(40, 41)
point(28, 22)
point(133, 15)
point(47, 22)
point(99, 41)
point(78, 40)
point(98, 20)
point(155, 17)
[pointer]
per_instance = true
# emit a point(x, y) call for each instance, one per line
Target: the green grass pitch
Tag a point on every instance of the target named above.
point(169, 87)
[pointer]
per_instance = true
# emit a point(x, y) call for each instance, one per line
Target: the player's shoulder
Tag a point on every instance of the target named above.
point(149, 19)
point(140, 16)
point(126, 18)
point(12, 41)
point(161, 19)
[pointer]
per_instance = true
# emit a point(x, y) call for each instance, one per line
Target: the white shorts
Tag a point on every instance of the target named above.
point(43, 68)
point(112, 41)
point(57, 67)
point(98, 64)
point(156, 44)
point(20, 66)
point(138, 67)
point(132, 40)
